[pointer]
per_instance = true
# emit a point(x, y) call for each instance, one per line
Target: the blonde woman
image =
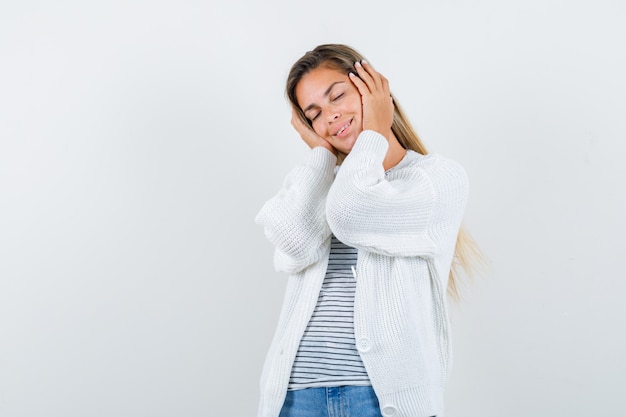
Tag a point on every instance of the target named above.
point(367, 228)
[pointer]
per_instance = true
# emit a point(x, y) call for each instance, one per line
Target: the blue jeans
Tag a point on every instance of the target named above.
point(347, 401)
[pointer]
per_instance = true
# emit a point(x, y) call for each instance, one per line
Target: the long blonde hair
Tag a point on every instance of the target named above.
point(468, 258)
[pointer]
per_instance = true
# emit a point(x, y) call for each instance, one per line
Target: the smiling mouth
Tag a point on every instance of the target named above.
point(343, 128)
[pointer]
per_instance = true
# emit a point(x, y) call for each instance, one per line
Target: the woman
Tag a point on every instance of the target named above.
point(367, 229)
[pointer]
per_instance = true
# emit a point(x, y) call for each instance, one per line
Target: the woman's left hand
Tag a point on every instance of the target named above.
point(375, 98)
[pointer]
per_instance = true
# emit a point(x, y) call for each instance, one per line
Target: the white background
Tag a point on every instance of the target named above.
point(138, 139)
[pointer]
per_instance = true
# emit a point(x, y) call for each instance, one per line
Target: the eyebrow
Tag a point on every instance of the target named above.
point(326, 93)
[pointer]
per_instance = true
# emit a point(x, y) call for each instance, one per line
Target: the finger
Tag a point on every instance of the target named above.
point(359, 84)
point(296, 122)
point(375, 76)
point(385, 85)
point(365, 76)
point(294, 115)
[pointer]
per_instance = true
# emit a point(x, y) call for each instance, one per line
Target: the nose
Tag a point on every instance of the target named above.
point(333, 115)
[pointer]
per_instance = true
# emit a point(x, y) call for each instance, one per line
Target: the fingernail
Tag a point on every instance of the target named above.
point(357, 64)
point(352, 74)
point(364, 61)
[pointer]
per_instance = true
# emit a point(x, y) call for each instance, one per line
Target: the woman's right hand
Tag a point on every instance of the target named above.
point(308, 135)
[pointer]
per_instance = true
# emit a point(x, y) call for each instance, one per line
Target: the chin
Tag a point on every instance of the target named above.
point(345, 146)
point(350, 145)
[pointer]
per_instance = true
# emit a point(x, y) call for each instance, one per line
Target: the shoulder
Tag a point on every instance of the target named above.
point(446, 177)
point(432, 164)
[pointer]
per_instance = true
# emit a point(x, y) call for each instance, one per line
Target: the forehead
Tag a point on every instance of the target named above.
point(314, 84)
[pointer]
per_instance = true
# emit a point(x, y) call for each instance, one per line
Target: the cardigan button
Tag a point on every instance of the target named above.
point(364, 345)
point(389, 410)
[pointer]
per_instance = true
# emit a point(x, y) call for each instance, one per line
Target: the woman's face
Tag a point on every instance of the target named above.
point(332, 103)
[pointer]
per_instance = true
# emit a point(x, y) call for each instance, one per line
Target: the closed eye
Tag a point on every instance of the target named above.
point(338, 97)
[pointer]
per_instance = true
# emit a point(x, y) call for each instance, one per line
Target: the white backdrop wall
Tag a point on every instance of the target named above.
point(138, 139)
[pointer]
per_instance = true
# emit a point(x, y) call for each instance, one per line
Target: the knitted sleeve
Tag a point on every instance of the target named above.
point(294, 220)
point(398, 217)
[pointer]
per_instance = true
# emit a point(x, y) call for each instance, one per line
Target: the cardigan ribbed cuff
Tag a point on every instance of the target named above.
point(370, 148)
point(322, 158)
point(316, 174)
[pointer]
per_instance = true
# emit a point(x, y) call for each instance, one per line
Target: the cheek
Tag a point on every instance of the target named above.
point(356, 104)
point(317, 128)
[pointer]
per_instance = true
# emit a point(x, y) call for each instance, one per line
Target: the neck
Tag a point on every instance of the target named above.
point(395, 153)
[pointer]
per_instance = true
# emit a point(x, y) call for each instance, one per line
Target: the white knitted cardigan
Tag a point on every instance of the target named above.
point(404, 224)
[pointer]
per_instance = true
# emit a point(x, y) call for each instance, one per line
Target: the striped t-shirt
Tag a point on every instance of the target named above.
point(327, 355)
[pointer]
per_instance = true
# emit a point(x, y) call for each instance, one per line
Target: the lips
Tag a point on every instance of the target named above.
point(343, 128)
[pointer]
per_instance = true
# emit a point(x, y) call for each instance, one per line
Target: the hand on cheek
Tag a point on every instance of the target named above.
point(375, 98)
point(308, 135)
